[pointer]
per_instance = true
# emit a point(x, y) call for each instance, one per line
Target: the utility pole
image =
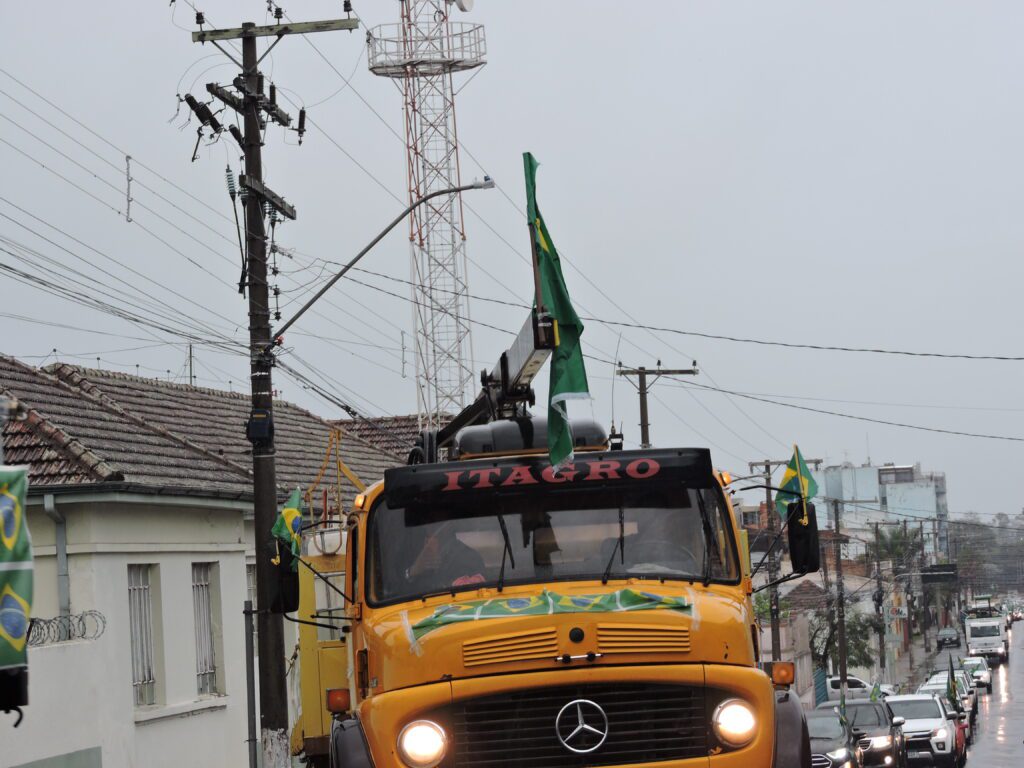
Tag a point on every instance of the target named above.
point(643, 387)
point(837, 505)
point(773, 561)
point(840, 596)
point(879, 599)
point(191, 372)
point(252, 104)
point(924, 591)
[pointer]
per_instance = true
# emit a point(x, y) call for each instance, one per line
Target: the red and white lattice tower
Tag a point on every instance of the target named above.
point(422, 53)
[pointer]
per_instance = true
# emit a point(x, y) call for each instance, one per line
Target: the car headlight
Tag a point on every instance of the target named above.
point(734, 722)
point(881, 742)
point(422, 744)
point(839, 754)
point(940, 733)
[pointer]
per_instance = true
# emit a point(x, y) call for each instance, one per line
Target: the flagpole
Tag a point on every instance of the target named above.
point(800, 482)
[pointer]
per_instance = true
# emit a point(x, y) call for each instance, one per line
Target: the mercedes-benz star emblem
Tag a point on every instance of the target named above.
point(581, 726)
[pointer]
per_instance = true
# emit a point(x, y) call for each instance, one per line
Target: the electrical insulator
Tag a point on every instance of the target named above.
point(268, 210)
point(200, 18)
point(277, 291)
point(259, 84)
point(232, 190)
point(237, 134)
point(348, 6)
point(278, 13)
point(302, 123)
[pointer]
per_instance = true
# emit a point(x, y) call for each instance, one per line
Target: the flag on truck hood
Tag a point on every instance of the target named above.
point(568, 374)
point(547, 603)
point(796, 482)
point(288, 526)
point(15, 569)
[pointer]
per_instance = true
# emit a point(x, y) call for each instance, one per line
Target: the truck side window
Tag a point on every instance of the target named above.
point(353, 543)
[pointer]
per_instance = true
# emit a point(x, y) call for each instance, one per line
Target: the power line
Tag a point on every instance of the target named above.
point(918, 427)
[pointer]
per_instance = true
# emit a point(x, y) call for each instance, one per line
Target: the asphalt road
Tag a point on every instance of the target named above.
point(999, 737)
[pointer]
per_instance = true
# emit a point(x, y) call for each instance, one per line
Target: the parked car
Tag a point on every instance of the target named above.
point(833, 744)
point(856, 688)
point(980, 671)
point(932, 736)
point(878, 731)
point(948, 636)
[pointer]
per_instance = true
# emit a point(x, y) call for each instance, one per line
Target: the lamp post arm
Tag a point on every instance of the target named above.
point(487, 183)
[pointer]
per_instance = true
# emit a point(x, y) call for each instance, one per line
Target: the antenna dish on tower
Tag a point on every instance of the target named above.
point(465, 5)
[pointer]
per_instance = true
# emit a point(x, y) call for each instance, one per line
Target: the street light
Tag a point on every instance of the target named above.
point(487, 183)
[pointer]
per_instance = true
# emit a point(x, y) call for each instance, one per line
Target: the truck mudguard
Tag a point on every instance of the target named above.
point(792, 744)
point(348, 745)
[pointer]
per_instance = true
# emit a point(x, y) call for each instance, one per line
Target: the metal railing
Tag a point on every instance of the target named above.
point(391, 52)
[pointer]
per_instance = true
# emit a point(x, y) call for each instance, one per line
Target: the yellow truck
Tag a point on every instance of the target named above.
point(503, 614)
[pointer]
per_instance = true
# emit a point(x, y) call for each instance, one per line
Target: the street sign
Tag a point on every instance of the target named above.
point(944, 573)
point(896, 612)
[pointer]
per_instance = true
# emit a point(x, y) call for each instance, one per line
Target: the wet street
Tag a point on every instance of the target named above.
point(999, 740)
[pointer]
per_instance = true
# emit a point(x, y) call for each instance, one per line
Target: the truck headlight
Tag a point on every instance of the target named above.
point(839, 754)
point(422, 744)
point(881, 742)
point(940, 733)
point(734, 722)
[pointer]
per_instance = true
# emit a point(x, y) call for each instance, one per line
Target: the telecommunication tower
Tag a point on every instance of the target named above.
point(422, 52)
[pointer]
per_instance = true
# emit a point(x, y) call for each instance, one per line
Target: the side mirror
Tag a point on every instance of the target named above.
point(962, 717)
point(804, 544)
point(899, 720)
point(951, 716)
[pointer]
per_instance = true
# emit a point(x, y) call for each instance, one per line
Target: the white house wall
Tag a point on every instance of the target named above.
point(98, 710)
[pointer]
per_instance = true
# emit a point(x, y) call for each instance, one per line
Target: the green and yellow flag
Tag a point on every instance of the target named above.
point(288, 526)
point(568, 374)
point(797, 482)
point(951, 693)
point(15, 569)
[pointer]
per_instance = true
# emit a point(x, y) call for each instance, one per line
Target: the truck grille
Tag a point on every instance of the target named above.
point(642, 638)
point(517, 646)
point(820, 761)
point(646, 723)
point(864, 744)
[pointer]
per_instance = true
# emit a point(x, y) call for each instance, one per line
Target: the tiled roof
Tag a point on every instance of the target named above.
point(395, 434)
point(806, 596)
point(86, 427)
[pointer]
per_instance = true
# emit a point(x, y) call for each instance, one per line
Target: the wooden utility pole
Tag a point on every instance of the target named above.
point(253, 106)
point(879, 600)
point(837, 505)
point(773, 561)
point(643, 387)
point(925, 618)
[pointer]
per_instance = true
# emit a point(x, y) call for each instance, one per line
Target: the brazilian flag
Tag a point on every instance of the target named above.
point(15, 573)
point(797, 484)
point(951, 692)
point(568, 374)
point(288, 526)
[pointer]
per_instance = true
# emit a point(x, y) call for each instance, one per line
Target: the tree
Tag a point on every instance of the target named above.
point(898, 544)
point(861, 628)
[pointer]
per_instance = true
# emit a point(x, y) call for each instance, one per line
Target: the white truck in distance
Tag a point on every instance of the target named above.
point(985, 638)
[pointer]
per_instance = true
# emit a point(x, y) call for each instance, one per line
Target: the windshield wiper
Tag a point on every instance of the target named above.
point(620, 547)
point(507, 551)
point(706, 522)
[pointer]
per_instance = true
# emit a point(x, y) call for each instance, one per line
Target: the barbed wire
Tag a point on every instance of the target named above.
point(87, 625)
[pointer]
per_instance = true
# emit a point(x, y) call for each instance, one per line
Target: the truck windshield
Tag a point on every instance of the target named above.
point(666, 533)
point(985, 630)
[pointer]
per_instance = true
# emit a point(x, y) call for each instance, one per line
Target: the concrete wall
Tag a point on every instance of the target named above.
point(81, 691)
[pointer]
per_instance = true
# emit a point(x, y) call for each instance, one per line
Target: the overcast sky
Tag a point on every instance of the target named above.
point(825, 173)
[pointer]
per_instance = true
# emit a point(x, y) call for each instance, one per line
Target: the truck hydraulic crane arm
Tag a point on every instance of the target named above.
point(505, 391)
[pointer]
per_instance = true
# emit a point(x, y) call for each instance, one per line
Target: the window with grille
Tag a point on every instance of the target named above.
point(202, 604)
point(140, 622)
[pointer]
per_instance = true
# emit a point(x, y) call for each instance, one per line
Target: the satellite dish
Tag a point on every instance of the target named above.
point(464, 5)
